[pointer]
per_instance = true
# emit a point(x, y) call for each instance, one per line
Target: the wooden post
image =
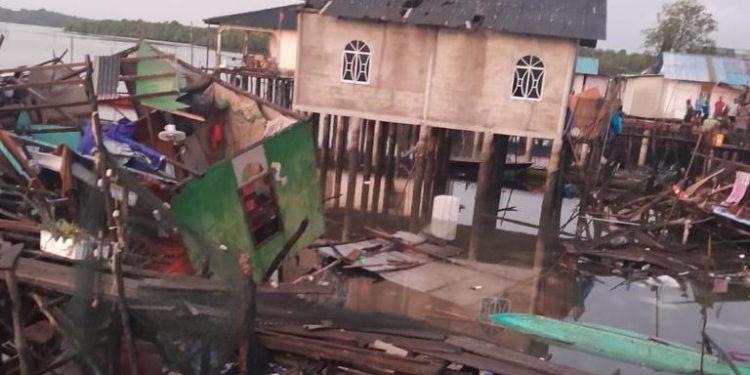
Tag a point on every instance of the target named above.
point(644, 148)
point(367, 166)
point(390, 167)
point(325, 152)
point(547, 227)
point(442, 154)
point(527, 152)
point(483, 187)
point(420, 156)
point(19, 339)
point(340, 150)
point(378, 158)
point(355, 125)
point(429, 175)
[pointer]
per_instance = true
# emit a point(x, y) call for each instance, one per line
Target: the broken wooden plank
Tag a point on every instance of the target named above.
point(354, 356)
point(490, 350)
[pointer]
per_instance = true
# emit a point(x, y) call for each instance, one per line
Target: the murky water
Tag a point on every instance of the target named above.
point(510, 274)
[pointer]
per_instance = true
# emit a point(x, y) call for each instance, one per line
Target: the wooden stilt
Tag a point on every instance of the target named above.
point(325, 151)
point(442, 157)
point(429, 175)
point(340, 151)
point(483, 188)
point(369, 146)
point(381, 139)
point(402, 138)
point(420, 156)
point(390, 167)
point(527, 151)
point(355, 124)
point(19, 339)
point(547, 227)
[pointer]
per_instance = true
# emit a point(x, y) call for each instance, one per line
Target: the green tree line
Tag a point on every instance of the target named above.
point(613, 62)
point(164, 31)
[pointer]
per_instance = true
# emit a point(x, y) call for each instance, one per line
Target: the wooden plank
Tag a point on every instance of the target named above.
point(482, 363)
point(490, 350)
point(41, 67)
point(43, 84)
point(353, 356)
point(147, 77)
point(15, 107)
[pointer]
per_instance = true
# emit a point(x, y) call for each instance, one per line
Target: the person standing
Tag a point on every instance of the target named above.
point(733, 111)
point(719, 107)
point(701, 107)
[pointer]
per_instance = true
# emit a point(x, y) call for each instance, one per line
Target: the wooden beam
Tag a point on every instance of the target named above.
point(147, 58)
point(148, 77)
point(41, 68)
point(15, 107)
point(43, 84)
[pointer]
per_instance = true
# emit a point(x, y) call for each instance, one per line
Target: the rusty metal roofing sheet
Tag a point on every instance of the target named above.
point(575, 19)
point(106, 76)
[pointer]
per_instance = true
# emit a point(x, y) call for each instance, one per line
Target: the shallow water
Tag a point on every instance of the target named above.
point(526, 280)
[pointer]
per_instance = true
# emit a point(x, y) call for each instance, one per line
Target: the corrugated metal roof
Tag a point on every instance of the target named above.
point(107, 76)
point(284, 18)
point(705, 68)
point(587, 65)
point(575, 19)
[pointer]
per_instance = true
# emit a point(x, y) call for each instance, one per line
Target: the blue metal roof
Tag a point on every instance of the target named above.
point(705, 68)
point(587, 65)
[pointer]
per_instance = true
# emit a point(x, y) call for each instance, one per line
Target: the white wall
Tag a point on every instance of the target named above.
point(282, 46)
point(583, 82)
point(675, 96)
point(642, 96)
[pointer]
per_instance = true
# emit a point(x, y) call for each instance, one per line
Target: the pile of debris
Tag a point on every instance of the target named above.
point(695, 231)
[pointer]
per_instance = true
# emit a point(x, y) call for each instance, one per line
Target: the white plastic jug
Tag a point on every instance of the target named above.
point(445, 217)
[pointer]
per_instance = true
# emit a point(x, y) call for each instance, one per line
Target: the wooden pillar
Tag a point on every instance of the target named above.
point(19, 339)
point(429, 175)
point(381, 137)
point(644, 148)
point(390, 167)
point(527, 151)
point(369, 148)
point(325, 152)
point(420, 156)
point(355, 125)
point(340, 151)
point(483, 187)
point(403, 144)
point(547, 227)
point(442, 156)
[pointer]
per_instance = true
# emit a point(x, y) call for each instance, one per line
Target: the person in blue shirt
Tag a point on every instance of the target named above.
point(615, 124)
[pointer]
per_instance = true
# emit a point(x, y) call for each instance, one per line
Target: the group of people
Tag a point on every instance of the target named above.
point(722, 111)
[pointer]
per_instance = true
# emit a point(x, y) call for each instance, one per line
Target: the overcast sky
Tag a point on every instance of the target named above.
point(626, 17)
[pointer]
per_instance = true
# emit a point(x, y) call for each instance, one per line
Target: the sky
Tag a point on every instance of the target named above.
point(626, 17)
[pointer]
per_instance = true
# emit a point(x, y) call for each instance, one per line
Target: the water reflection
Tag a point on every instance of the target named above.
point(509, 273)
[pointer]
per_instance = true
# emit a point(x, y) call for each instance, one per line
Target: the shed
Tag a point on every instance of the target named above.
point(279, 23)
point(587, 76)
point(678, 77)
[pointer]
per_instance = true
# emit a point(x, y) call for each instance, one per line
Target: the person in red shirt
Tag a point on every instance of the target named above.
point(719, 107)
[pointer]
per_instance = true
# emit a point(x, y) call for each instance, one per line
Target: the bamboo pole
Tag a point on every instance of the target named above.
point(355, 125)
point(442, 154)
point(369, 147)
point(527, 151)
point(340, 151)
point(381, 138)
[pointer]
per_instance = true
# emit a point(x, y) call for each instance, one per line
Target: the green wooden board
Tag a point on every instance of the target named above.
point(151, 86)
point(210, 206)
point(620, 345)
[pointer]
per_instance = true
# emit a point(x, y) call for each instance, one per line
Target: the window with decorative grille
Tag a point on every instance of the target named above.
point(356, 64)
point(528, 79)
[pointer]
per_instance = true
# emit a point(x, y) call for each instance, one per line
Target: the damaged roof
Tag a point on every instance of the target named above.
point(278, 18)
point(704, 68)
point(576, 19)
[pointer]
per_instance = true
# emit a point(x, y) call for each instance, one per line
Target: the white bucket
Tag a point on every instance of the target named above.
point(445, 217)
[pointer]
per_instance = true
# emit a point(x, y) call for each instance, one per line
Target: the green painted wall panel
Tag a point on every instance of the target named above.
point(210, 205)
